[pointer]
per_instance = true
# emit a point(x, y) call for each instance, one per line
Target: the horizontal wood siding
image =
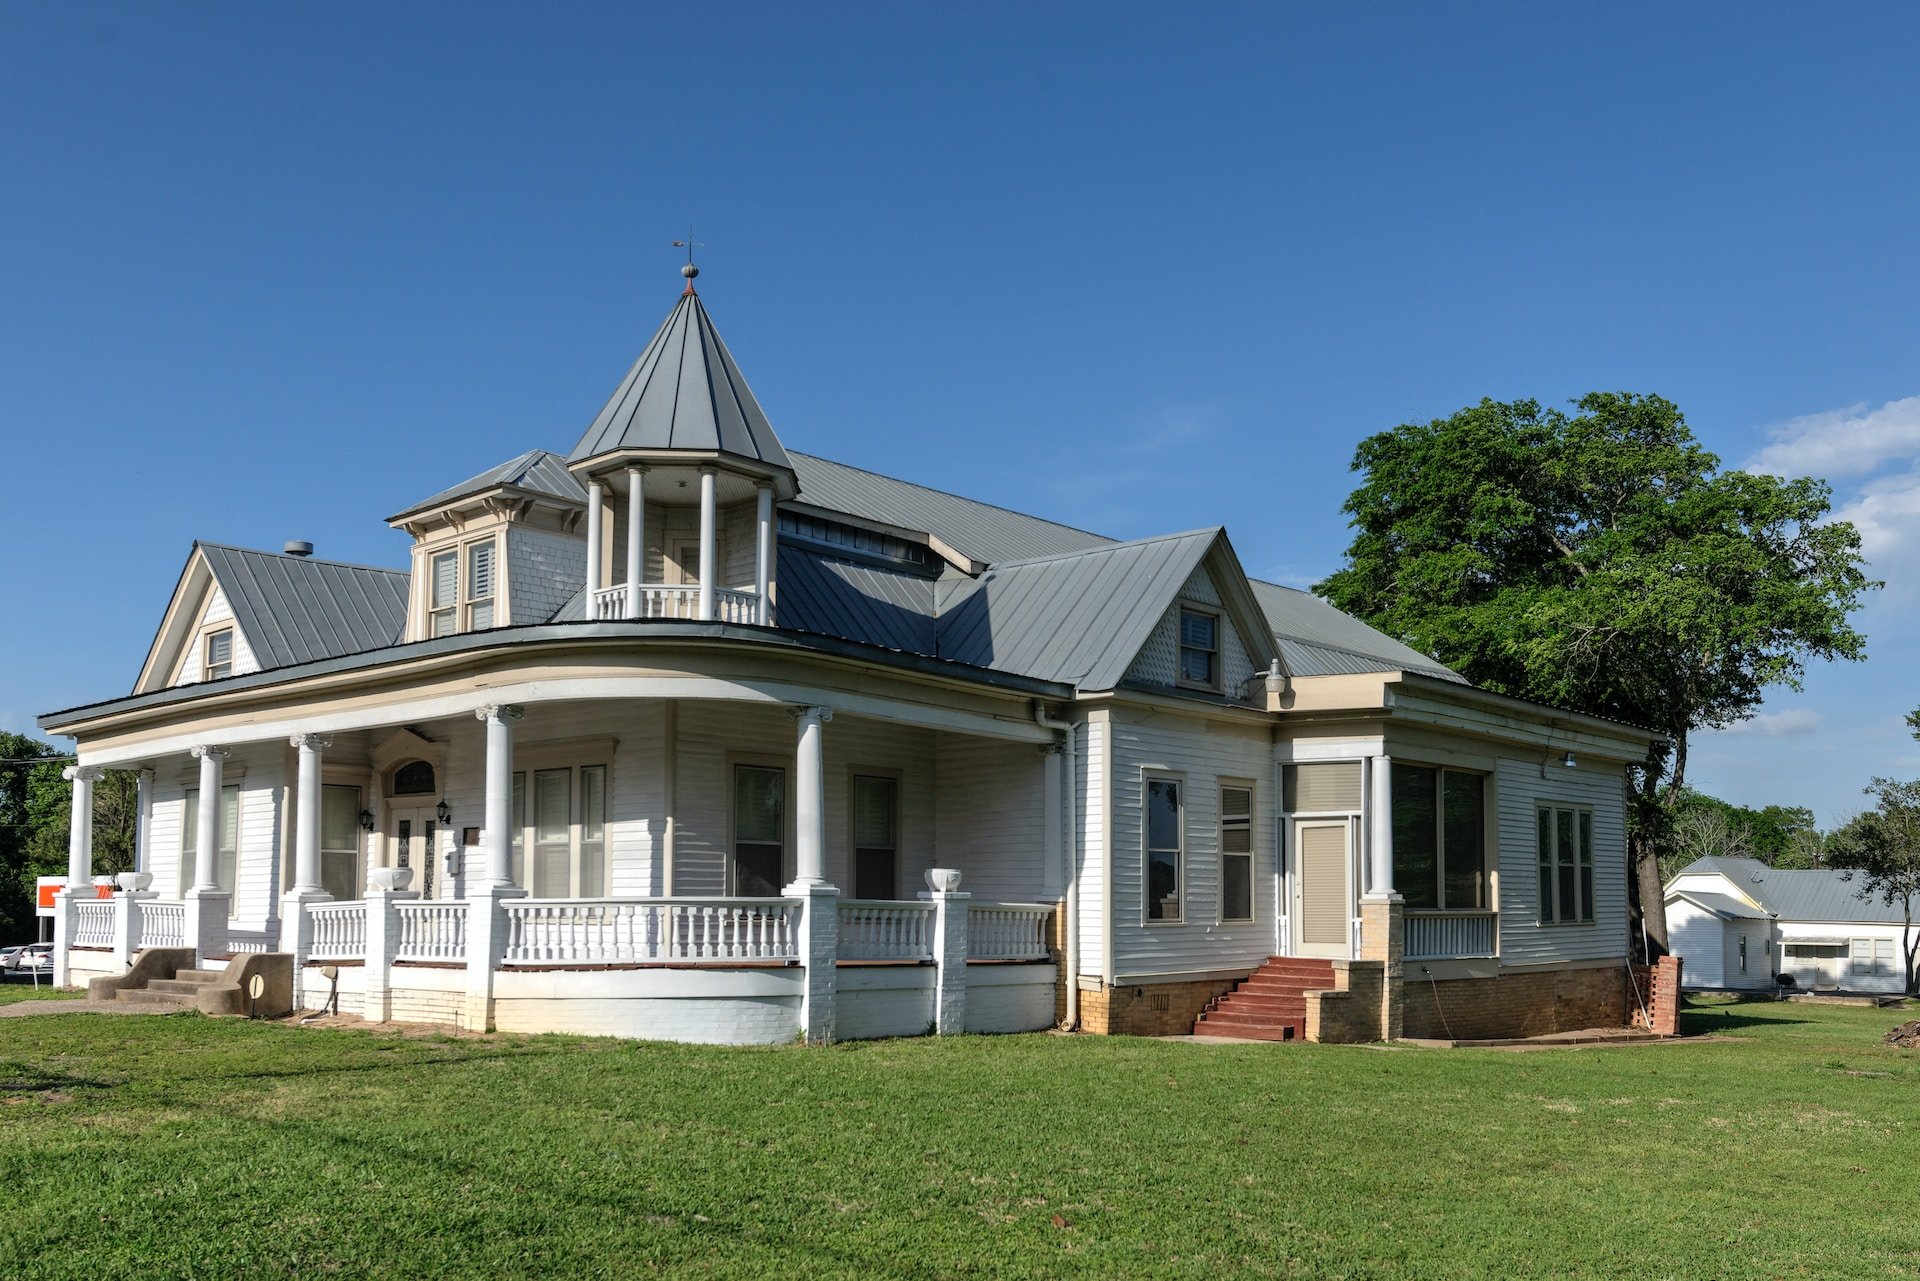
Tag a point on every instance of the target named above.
point(990, 816)
point(1092, 804)
point(1523, 940)
point(1203, 753)
point(258, 769)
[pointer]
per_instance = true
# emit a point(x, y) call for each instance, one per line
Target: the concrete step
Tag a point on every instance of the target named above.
point(1248, 1032)
point(197, 976)
point(143, 996)
point(178, 987)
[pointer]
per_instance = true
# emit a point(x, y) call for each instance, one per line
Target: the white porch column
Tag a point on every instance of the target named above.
point(143, 820)
point(950, 939)
point(763, 557)
point(498, 838)
point(636, 538)
point(1380, 824)
point(306, 814)
point(595, 497)
point(80, 828)
point(810, 798)
point(206, 849)
point(708, 522)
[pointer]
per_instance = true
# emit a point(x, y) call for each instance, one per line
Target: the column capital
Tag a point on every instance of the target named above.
point(313, 742)
point(208, 751)
point(505, 713)
point(763, 485)
point(708, 469)
point(82, 773)
point(815, 712)
point(636, 469)
point(596, 482)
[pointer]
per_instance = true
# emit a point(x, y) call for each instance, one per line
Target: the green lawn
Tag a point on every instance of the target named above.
point(23, 990)
point(177, 1145)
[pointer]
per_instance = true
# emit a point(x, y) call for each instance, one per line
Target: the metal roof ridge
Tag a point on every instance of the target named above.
point(948, 493)
point(304, 560)
point(1205, 531)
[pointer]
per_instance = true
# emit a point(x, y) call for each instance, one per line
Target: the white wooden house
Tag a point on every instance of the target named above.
point(668, 736)
point(1740, 924)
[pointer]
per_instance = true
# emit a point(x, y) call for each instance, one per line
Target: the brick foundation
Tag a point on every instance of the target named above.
point(1534, 1003)
point(1659, 993)
point(1159, 1009)
point(1351, 1012)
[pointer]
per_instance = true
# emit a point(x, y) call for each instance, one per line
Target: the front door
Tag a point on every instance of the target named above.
point(411, 843)
point(1323, 889)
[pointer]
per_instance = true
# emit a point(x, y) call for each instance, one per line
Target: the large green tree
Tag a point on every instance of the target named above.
point(1880, 849)
point(1601, 561)
point(36, 811)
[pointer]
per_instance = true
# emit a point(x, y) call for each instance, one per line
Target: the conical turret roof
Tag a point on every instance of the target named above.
point(685, 393)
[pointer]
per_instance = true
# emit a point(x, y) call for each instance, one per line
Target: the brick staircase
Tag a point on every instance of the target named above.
point(1270, 1004)
point(178, 991)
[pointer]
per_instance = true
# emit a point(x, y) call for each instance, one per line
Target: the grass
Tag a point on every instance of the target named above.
point(27, 990)
point(183, 1146)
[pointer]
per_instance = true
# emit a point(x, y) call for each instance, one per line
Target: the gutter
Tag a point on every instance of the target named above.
point(1069, 762)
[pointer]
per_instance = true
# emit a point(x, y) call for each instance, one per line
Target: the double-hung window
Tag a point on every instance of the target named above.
point(1439, 838)
point(560, 814)
point(226, 864)
point(479, 586)
point(759, 830)
point(443, 608)
point(340, 857)
point(1565, 860)
point(1872, 957)
point(1199, 648)
point(462, 589)
point(876, 840)
point(1236, 852)
point(1165, 839)
point(218, 659)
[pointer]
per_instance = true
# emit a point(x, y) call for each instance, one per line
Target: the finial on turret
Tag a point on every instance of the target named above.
point(689, 244)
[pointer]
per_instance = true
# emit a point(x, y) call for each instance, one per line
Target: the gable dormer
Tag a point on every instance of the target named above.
point(681, 471)
point(504, 548)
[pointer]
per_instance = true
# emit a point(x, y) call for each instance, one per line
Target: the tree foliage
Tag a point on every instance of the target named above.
point(1703, 826)
point(1881, 850)
point(36, 812)
point(1601, 561)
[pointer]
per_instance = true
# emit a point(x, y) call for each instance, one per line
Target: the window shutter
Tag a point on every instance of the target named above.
point(446, 571)
point(480, 572)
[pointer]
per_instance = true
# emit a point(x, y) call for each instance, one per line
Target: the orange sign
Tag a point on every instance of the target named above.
point(48, 886)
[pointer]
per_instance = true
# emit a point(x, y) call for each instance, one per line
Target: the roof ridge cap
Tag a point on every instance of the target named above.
point(948, 493)
point(1116, 545)
point(305, 560)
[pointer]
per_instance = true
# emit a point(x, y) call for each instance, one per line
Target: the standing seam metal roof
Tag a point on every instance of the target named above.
point(1799, 894)
point(537, 470)
point(293, 609)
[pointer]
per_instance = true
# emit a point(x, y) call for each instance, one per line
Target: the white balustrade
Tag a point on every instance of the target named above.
point(878, 930)
point(93, 923)
point(432, 931)
point(1008, 931)
point(162, 925)
point(683, 930)
point(339, 931)
point(238, 942)
point(1443, 935)
point(680, 602)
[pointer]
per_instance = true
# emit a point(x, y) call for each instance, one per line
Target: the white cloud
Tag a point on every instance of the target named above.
point(1842, 442)
point(1794, 722)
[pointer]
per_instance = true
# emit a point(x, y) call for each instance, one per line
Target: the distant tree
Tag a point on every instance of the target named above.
point(1881, 850)
point(1601, 561)
point(36, 813)
point(1704, 826)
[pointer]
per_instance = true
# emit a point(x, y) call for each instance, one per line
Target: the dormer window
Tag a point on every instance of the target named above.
point(219, 654)
point(460, 589)
point(480, 586)
point(445, 603)
point(1199, 648)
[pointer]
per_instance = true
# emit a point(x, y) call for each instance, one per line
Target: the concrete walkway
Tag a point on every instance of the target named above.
point(78, 1005)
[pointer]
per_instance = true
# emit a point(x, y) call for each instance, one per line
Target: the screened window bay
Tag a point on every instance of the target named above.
point(1439, 838)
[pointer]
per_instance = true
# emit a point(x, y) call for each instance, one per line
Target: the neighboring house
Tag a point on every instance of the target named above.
point(1738, 923)
point(664, 736)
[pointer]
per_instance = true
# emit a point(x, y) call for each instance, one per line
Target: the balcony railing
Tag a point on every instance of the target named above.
point(1448, 935)
point(93, 923)
point(162, 925)
point(880, 930)
point(681, 930)
point(1008, 931)
point(678, 602)
point(339, 931)
point(432, 931)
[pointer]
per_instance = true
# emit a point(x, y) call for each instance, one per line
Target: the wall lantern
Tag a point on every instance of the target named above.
point(366, 820)
point(442, 813)
point(1568, 760)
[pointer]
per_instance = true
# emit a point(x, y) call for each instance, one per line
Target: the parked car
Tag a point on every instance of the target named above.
point(34, 956)
point(9, 954)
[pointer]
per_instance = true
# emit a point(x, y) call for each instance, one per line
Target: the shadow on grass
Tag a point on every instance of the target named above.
point(30, 1078)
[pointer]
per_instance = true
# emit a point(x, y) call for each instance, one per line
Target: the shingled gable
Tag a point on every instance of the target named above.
point(685, 396)
point(288, 609)
point(1082, 617)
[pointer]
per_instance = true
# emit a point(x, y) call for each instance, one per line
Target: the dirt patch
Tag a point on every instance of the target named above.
point(1906, 1036)
point(409, 1031)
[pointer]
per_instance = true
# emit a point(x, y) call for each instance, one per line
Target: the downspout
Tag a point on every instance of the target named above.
point(1071, 932)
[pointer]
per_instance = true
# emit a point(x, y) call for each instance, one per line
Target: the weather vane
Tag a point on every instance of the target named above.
point(689, 244)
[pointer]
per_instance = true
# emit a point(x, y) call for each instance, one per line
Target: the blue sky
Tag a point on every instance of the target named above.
point(275, 272)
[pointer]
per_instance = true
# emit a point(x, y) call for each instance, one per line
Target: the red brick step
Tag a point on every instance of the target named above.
point(1268, 1005)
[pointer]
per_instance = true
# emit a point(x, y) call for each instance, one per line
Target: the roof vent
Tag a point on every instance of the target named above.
point(298, 547)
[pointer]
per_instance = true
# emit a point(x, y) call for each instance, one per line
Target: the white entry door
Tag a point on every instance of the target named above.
point(411, 833)
point(1323, 889)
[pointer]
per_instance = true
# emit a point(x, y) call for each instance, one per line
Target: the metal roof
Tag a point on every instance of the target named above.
point(1318, 640)
point(293, 609)
point(832, 596)
point(684, 392)
point(980, 530)
point(1723, 905)
point(1079, 618)
point(538, 471)
point(1796, 894)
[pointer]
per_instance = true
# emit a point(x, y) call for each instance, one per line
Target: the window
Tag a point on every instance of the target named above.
point(561, 815)
point(415, 778)
point(227, 862)
point(445, 581)
point(1743, 954)
point(1565, 853)
point(1439, 838)
point(1872, 957)
point(876, 843)
point(219, 655)
point(1236, 853)
point(340, 841)
point(461, 589)
point(759, 830)
point(1199, 648)
point(1165, 843)
point(480, 586)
